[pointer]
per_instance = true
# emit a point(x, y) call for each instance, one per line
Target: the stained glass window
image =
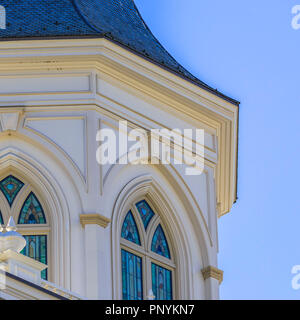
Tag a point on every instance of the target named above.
point(129, 229)
point(32, 211)
point(132, 276)
point(160, 244)
point(1, 218)
point(161, 282)
point(136, 262)
point(36, 248)
point(145, 212)
point(10, 187)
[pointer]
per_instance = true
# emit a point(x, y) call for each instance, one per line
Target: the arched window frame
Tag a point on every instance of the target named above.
point(15, 209)
point(144, 250)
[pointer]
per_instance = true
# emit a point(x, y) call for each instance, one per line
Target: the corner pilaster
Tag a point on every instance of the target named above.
point(213, 278)
point(96, 248)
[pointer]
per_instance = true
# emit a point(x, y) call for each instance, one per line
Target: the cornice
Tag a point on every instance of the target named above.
point(212, 272)
point(96, 219)
point(103, 57)
point(97, 47)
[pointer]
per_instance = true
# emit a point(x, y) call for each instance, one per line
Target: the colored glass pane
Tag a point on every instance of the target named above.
point(132, 285)
point(36, 248)
point(10, 187)
point(161, 283)
point(145, 212)
point(160, 244)
point(1, 218)
point(32, 211)
point(129, 229)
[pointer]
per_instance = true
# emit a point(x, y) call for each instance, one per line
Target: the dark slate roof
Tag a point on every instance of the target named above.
point(116, 20)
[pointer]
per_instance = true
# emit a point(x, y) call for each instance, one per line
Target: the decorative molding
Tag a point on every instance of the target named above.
point(94, 219)
point(17, 257)
point(9, 121)
point(40, 83)
point(126, 71)
point(212, 272)
point(21, 265)
point(62, 147)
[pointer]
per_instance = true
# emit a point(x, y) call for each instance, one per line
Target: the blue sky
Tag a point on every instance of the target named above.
point(249, 51)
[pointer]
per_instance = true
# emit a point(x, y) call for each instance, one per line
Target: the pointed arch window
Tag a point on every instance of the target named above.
point(160, 244)
point(145, 212)
point(26, 208)
point(129, 229)
point(146, 258)
point(32, 211)
point(10, 187)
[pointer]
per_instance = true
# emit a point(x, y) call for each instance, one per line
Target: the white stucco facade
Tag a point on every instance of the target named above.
point(54, 97)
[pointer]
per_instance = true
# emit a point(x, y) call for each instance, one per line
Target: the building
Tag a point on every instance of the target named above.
point(109, 231)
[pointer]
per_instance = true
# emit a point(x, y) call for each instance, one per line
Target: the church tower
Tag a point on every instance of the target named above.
point(84, 86)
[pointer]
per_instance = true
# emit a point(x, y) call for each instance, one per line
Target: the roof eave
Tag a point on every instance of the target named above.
point(107, 37)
